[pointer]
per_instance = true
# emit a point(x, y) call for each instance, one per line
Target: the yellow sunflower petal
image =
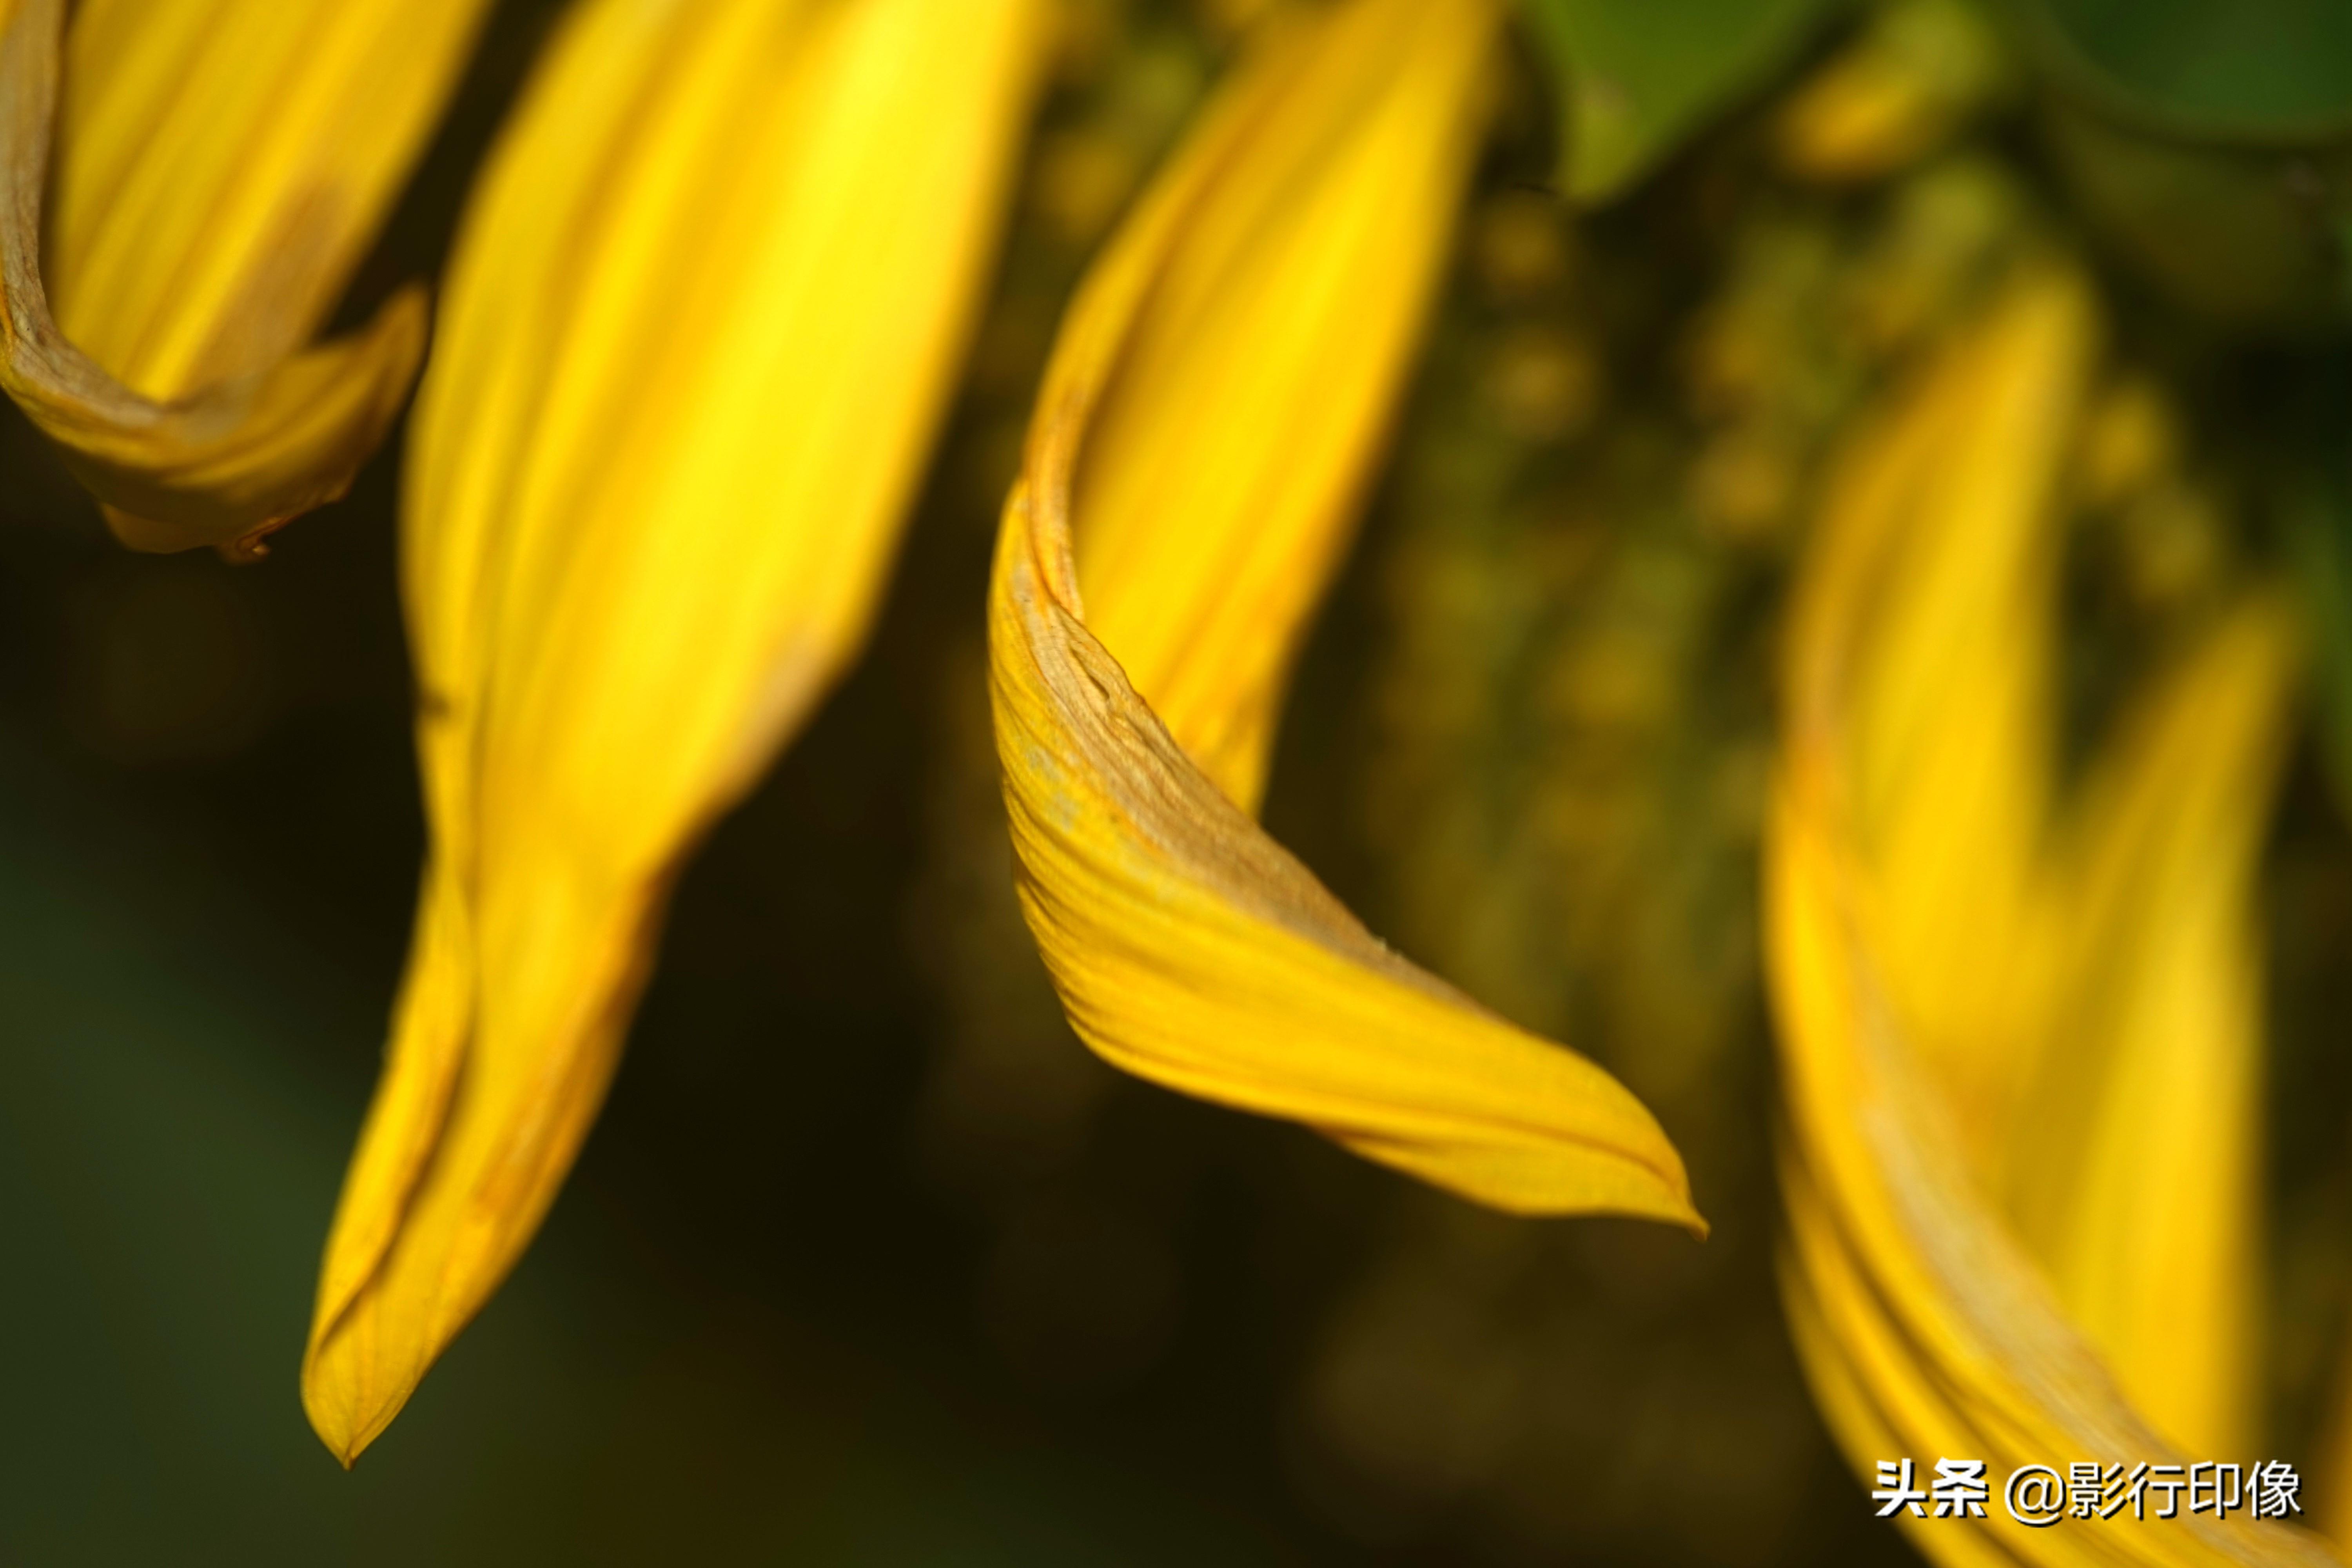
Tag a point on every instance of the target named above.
point(704, 315)
point(2137, 1171)
point(1212, 411)
point(1927, 1327)
point(1924, 1328)
point(1934, 563)
point(222, 166)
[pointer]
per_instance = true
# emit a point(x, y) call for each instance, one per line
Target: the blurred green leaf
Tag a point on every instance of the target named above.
point(2246, 235)
point(1636, 77)
point(2271, 71)
point(2212, 140)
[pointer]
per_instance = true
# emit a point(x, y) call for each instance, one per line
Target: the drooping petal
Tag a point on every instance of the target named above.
point(1207, 424)
point(222, 166)
point(704, 315)
point(1928, 1325)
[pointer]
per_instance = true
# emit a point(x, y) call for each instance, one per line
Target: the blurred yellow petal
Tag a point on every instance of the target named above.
point(1206, 428)
point(1911, 79)
point(1926, 1324)
point(2136, 1166)
point(703, 318)
point(1932, 576)
point(222, 166)
point(1924, 1328)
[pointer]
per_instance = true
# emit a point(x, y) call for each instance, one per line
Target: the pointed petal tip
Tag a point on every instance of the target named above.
point(1664, 1200)
point(342, 1437)
point(1681, 1213)
point(336, 1439)
point(345, 1416)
